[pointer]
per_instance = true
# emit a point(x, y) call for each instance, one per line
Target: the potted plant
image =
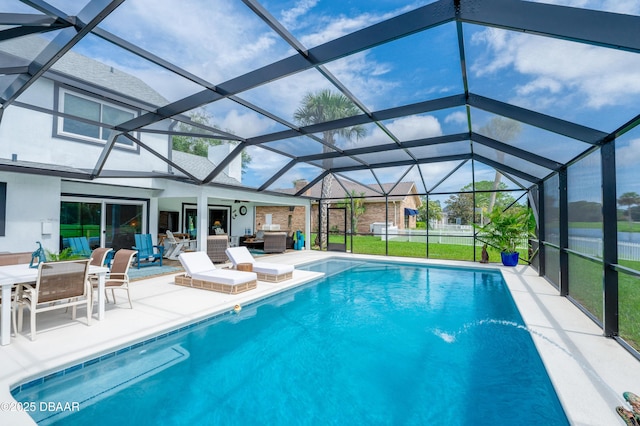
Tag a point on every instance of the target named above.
point(65, 254)
point(506, 229)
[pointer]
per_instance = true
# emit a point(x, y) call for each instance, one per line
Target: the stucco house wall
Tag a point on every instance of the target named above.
point(32, 212)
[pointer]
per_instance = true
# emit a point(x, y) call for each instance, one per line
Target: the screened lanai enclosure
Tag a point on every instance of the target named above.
point(405, 122)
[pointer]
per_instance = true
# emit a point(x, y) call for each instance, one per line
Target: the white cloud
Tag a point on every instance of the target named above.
point(337, 27)
point(264, 163)
point(629, 155)
point(330, 27)
point(301, 171)
point(415, 127)
point(361, 176)
point(435, 172)
point(390, 174)
point(546, 83)
point(213, 46)
point(457, 117)
point(282, 97)
point(631, 7)
point(558, 68)
point(364, 77)
point(245, 125)
point(405, 129)
point(290, 16)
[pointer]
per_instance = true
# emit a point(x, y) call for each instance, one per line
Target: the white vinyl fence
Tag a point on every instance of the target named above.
point(593, 246)
point(463, 236)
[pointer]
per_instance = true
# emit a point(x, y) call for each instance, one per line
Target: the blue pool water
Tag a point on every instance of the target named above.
point(373, 343)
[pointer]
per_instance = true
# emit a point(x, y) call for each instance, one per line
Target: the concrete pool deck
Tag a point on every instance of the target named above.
point(589, 371)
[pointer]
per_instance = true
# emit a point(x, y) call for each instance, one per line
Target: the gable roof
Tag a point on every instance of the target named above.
point(200, 167)
point(370, 193)
point(81, 68)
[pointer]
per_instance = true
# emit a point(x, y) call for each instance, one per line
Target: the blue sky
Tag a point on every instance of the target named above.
point(222, 39)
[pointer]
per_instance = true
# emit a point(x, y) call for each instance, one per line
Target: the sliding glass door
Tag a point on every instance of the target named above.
point(122, 222)
point(105, 223)
point(79, 219)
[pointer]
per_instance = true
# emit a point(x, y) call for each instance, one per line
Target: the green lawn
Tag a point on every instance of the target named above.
point(623, 225)
point(628, 312)
point(368, 244)
point(585, 276)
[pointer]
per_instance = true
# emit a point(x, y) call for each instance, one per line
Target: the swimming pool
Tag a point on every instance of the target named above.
point(372, 343)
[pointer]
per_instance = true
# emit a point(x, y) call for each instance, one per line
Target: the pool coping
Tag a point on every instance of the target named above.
point(588, 370)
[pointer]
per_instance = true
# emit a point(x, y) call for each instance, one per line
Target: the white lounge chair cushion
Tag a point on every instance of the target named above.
point(239, 255)
point(242, 255)
point(199, 267)
point(196, 262)
point(272, 268)
point(226, 276)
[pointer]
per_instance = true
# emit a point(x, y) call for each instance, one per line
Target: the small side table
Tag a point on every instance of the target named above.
point(247, 267)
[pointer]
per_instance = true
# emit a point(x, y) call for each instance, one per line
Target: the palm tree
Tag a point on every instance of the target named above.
point(503, 130)
point(629, 199)
point(320, 107)
point(359, 207)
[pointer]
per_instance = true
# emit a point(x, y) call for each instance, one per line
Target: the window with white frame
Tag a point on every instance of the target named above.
point(91, 109)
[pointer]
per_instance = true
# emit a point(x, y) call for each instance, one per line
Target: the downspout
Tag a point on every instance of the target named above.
point(386, 225)
point(395, 213)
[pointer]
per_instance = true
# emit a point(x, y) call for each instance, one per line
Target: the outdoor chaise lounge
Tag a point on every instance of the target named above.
point(216, 245)
point(272, 272)
point(202, 273)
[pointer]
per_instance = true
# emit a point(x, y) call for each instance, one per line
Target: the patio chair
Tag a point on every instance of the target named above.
point(272, 272)
point(80, 246)
point(175, 246)
point(202, 273)
point(58, 285)
point(100, 255)
point(118, 276)
point(216, 246)
point(275, 242)
point(148, 254)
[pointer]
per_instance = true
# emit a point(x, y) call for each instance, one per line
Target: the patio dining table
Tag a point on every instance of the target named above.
point(11, 275)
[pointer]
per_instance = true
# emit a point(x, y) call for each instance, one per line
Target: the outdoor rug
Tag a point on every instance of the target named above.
point(151, 271)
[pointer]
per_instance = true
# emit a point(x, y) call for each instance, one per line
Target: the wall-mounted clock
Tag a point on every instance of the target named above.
point(243, 210)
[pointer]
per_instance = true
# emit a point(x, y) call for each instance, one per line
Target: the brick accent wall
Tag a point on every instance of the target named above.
point(281, 215)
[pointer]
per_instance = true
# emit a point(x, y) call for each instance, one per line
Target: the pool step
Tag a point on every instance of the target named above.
point(92, 383)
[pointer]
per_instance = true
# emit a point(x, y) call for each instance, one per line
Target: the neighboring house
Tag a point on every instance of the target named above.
point(403, 203)
point(37, 204)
